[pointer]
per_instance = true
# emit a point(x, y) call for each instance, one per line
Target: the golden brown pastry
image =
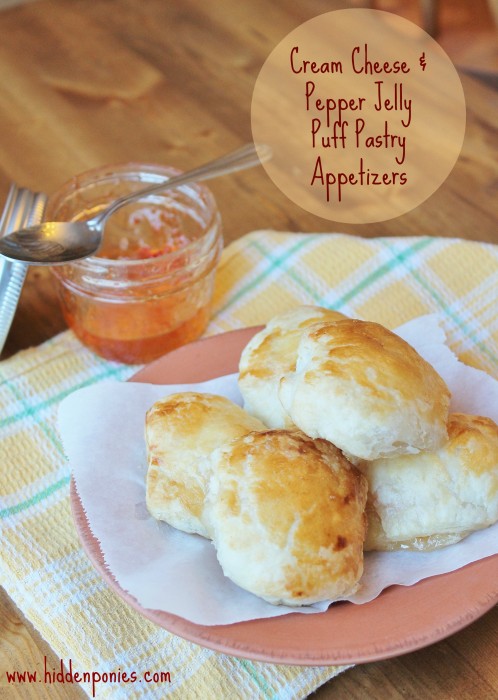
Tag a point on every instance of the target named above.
point(269, 355)
point(433, 499)
point(181, 431)
point(366, 390)
point(286, 515)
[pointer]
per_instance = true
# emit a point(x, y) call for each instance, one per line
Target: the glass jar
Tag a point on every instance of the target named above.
point(149, 288)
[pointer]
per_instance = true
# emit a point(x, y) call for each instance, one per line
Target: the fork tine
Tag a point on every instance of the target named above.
point(22, 208)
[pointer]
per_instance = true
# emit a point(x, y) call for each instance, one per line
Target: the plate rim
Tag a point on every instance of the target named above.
point(220, 638)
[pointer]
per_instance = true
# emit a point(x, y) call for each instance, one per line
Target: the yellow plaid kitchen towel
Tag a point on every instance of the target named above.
point(43, 567)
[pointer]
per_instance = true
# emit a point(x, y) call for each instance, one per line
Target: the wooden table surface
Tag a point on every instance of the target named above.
point(90, 83)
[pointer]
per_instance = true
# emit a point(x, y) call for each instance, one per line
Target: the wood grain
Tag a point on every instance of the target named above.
point(463, 667)
point(182, 100)
point(22, 649)
point(171, 82)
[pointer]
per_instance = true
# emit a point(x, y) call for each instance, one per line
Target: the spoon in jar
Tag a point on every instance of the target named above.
point(57, 242)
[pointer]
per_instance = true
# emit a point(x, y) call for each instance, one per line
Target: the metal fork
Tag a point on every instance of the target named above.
point(23, 208)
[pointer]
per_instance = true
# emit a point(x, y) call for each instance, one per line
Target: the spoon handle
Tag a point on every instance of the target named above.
point(245, 157)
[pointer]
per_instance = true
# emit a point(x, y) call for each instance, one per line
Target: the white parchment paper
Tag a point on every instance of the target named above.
point(102, 429)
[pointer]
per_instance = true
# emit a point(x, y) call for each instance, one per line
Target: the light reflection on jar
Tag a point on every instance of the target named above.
point(149, 289)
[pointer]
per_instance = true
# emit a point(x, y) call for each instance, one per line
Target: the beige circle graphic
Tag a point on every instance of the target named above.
point(364, 113)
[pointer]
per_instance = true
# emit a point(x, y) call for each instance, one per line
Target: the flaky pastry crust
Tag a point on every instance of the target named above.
point(366, 390)
point(269, 355)
point(181, 431)
point(433, 499)
point(286, 515)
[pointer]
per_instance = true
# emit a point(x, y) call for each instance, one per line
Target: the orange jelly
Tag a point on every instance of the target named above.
point(149, 289)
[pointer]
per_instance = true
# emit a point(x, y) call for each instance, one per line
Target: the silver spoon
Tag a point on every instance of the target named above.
point(56, 242)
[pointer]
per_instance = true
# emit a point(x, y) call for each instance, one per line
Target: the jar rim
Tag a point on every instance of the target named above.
point(108, 172)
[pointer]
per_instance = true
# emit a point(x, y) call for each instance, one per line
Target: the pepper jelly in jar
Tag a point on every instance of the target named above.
point(149, 288)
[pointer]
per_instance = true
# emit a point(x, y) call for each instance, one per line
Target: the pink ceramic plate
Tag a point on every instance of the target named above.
point(400, 620)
